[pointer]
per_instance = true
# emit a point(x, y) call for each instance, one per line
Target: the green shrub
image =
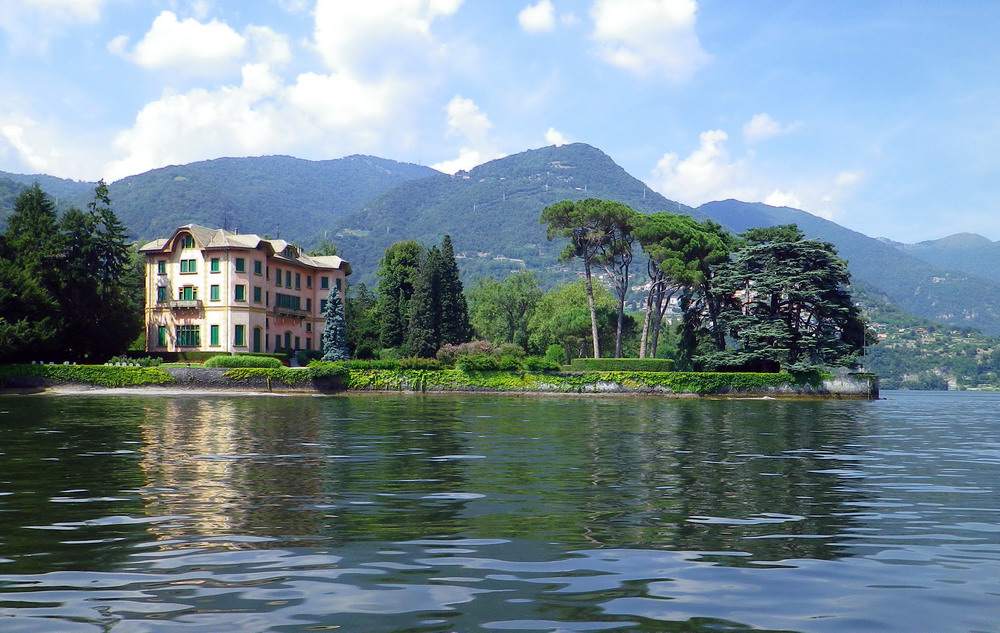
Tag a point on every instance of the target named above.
point(88, 374)
point(363, 364)
point(389, 353)
point(622, 364)
point(510, 349)
point(145, 361)
point(303, 356)
point(419, 363)
point(281, 357)
point(319, 369)
point(478, 362)
point(555, 354)
point(449, 354)
point(243, 361)
point(509, 363)
point(537, 363)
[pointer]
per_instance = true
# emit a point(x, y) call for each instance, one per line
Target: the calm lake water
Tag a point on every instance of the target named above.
point(248, 514)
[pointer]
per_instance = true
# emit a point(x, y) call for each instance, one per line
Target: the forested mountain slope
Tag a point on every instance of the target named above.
point(913, 285)
point(968, 252)
point(492, 211)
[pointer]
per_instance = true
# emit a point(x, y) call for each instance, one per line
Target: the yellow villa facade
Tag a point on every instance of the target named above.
point(214, 290)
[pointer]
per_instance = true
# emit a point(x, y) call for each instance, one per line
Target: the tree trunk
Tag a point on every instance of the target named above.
point(593, 308)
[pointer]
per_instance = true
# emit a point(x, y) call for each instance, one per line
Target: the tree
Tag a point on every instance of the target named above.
point(501, 310)
point(423, 337)
point(27, 327)
point(557, 318)
point(680, 251)
point(579, 222)
point(362, 322)
point(454, 323)
point(397, 271)
point(787, 303)
point(334, 339)
point(617, 222)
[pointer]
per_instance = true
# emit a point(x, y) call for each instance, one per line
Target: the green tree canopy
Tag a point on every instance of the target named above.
point(501, 310)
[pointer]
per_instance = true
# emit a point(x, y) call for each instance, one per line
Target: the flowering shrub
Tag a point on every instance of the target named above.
point(448, 354)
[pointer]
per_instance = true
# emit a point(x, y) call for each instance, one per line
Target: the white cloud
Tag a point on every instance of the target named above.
point(649, 36)
point(778, 198)
point(379, 37)
point(708, 173)
point(196, 47)
point(466, 119)
point(847, 179)
point(762, 127)
point(538, 18)
point(15, 134)
point(555, 137)
point(30, 24)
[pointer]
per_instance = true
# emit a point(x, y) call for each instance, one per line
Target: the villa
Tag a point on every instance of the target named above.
point(215, 290)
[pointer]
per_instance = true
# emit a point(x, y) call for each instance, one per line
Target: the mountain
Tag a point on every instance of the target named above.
point(968, 252)
point(492, 211)
point(913, 284)
point(276, 195)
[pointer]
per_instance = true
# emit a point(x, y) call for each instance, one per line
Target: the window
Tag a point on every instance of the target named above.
point(288, 339)
point(241, 265)
point(309, 304)
point(257, 268)
point(309, 328)
point(288, 279)
point(213, 293)
point(309, 343)
point(161, 267)
point(322, 306)
point(188, 336)
point(298, 343)
point(309, 281)
point(188, 242)
point(277, 277)
point(298, 281)
point(324, 283)
point(213, 335)
point(188, 266)
point(213, 265)
point(187, 293)
point(240, 336)
point(339, 286)
point(287, 301)
point(277, 341)
point(256, 294)
point(161, 294)
point(241, 292)
point(161, 336)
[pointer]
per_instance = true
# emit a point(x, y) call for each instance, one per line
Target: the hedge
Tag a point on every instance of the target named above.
point(622, 364)
point(242, 361)
point(101, 375)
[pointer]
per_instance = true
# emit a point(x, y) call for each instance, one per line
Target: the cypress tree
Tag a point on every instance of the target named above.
point(397, 271)
point(424, 333)
point(455, 327)
point(334, 339)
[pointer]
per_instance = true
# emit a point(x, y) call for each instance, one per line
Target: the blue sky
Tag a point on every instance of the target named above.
point(882, 116)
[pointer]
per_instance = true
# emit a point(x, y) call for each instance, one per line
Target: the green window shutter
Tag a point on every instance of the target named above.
point(241, 265)
point(161, 294)
point(257, 268)
point(213, 265)
point(288, 279)
point(214, 336)
point(324, 283)
point(161, 267)
point(214, 293)
point(239, 336)
point(298, 281)
point(241, 293)
point(309, 304)
point(256, 294)
point(161, 336)
point(277, 276)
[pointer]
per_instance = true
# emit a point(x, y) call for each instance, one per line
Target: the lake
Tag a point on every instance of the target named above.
point(239, 513)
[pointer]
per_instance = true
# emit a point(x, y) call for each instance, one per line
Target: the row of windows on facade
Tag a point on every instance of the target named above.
point(190, 293)
point(191, 266)
point(190, 336)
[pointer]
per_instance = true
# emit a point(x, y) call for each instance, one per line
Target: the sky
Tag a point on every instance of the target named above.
point(881, 116)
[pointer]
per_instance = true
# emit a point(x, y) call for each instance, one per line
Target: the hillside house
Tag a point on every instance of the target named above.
point(217, 290)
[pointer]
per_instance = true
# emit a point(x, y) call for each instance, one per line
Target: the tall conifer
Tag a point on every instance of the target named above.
point(334, 339)
point(455, 327)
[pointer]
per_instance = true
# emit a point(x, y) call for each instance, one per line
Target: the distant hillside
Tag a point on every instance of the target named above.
point(914, 285)
point(276, 195)
point(492, 211)
point(967, 252)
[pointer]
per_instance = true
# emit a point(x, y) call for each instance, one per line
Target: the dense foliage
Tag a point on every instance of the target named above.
point(69, 286)
point(227, 361)
point(334, 341)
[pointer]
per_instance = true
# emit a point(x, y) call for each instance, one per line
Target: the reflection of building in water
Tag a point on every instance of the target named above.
point(191, 464)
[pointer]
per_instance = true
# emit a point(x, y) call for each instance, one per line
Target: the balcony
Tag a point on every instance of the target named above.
point(185, 304)
point(295, 312)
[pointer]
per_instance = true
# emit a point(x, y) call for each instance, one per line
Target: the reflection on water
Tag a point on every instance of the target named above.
point(216, 513)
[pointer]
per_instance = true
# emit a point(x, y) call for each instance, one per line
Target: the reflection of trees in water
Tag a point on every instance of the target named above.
point(748, 480)
point(67, 465)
